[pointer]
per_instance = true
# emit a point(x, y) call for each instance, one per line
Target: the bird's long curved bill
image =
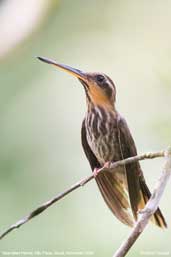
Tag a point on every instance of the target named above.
point(74, 72)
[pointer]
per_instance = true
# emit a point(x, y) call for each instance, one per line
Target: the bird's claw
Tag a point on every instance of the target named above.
point(96, 172)
point(107, 165)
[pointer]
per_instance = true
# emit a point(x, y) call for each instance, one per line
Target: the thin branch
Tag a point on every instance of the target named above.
point(82, 182)
point(149, 209)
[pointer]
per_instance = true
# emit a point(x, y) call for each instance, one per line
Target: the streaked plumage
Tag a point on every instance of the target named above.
point(107, 138)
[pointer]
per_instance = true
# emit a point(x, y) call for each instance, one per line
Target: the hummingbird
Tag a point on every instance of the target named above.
point(106, 138)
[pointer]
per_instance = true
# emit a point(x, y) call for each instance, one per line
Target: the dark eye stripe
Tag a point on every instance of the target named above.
point(109, 91)
point(100, 78)
point(110, 81)
point(107, 85)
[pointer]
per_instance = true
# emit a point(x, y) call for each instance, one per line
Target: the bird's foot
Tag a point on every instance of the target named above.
point(96, 172)
point(107, 165)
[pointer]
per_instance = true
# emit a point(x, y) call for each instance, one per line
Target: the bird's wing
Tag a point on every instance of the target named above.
point(88, 152)
point(112, 190)
point(133, 170)
point(138, 191)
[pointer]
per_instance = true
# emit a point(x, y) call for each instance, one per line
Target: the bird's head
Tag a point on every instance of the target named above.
point(100, 89)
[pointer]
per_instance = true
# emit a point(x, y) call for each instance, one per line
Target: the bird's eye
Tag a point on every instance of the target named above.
point(100, 78)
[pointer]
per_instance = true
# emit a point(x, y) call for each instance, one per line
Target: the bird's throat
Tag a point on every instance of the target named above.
point(98, 98)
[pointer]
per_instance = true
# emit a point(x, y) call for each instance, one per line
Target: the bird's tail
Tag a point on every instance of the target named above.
point(157, 218)
point(115, 196)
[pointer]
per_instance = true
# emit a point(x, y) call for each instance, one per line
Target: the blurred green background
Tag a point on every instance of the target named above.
point(41, 110)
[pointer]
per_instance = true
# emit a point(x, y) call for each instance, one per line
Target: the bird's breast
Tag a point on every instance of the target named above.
point(102, 134)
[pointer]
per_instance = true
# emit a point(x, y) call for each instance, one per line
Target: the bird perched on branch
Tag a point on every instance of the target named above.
point(106, 138)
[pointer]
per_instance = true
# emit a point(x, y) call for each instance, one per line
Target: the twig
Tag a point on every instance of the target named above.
point(149, 209)
point(82, 182)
